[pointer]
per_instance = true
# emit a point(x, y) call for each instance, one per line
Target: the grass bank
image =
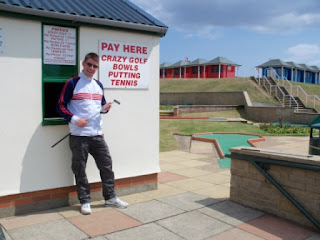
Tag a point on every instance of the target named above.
point(256, 93)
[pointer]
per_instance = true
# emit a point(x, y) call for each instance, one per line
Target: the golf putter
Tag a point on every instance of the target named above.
point(114, 101)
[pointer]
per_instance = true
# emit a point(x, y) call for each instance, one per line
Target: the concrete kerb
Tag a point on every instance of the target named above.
point(217, 145)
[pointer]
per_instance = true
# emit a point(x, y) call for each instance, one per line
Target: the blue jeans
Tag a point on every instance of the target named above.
point(81, 146)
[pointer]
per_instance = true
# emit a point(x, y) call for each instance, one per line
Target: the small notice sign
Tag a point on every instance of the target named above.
point(59, 45)
point(1, 41)
point(124, 65)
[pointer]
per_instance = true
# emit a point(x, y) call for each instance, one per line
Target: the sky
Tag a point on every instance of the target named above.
point(247, 32)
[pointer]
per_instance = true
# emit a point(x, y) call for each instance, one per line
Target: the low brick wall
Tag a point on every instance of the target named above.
point(205, 108)
point(272, 114)
point(203, 98)
point(215, 101)
point(249, 187)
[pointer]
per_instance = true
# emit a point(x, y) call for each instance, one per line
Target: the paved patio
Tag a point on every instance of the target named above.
point(191, 202)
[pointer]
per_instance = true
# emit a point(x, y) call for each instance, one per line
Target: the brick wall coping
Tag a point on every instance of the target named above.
point(274, 155)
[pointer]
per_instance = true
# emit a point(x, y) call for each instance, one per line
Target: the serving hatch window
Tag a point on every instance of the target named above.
point(59, 63)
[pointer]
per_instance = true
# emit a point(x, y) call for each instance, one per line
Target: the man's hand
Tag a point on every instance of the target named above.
point(106, 107)
point(82, 122)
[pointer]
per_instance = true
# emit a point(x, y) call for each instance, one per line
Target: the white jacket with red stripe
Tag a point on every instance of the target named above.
point(82, 97)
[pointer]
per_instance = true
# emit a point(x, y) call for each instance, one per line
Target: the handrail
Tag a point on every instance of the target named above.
point(283, 95)
point(282, 80)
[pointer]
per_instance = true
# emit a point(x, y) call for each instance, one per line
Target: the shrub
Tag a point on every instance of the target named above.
point(166, 107)
point(285, 129)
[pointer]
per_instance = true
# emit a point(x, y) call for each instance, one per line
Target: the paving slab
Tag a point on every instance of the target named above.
point(193, 163)
point(191, 172)
point(194, 225)
point(74, 210)
point(149, 231)
point(231, 213)
point(270, 227)
point(166, 166)
point(298, 145)
point(69, 211)
point(170, 153)
point(225, 172)
point(151, 211)
point(218, 192)
point(190, 184)
point(163, 190)
point(164, 177)
point(190, 156)
point(215, 178)
point(235, 234)
point(30, 219)
point(103, 222)
point(188, 201)
point(172, 159)
point(135, 198)
point(181, 155)
point(53, 230)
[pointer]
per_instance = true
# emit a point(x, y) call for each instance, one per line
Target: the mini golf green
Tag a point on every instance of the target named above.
point(227, 141)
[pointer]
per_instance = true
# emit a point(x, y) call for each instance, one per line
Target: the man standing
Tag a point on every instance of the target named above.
point(80, 103)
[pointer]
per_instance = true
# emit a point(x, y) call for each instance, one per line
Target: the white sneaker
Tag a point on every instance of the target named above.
point(116, 202)
point(85, 209)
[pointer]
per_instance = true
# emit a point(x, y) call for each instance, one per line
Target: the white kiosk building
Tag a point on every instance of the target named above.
point(42, 45)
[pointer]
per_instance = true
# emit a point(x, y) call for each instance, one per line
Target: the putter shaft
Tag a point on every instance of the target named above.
point(114, 101)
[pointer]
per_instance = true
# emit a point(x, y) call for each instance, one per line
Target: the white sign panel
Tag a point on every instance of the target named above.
point(124, 65)
point(59, 45)
point(1, 41)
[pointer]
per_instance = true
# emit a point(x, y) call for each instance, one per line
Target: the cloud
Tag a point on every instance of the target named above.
point(304, 53)
point(207, 17)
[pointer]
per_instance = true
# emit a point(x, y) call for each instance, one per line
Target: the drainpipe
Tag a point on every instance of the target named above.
point(219, 70)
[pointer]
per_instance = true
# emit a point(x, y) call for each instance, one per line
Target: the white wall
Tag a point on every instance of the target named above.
point(131, 128)
point(28, 163)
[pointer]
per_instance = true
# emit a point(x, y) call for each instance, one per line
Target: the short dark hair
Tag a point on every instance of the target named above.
point(92, 55)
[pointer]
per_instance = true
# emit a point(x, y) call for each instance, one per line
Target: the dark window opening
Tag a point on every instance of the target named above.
point(51, 96)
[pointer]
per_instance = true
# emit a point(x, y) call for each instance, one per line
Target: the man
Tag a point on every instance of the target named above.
point(80, 103)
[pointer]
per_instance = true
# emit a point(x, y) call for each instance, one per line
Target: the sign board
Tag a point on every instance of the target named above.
point(59, 45)
point(1, 41)
point(124, 65)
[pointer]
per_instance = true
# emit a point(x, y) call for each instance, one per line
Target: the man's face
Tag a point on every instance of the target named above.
point(90, 67)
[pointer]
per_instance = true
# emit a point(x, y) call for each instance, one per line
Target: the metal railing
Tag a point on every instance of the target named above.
point(280, 95)
point(310, 101)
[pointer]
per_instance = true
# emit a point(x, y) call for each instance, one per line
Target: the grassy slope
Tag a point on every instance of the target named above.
point(256, 93)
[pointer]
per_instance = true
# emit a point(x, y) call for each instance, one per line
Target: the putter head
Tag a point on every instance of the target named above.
point(116, 101)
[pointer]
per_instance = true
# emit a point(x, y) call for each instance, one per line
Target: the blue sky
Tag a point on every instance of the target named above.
point(248, 32)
